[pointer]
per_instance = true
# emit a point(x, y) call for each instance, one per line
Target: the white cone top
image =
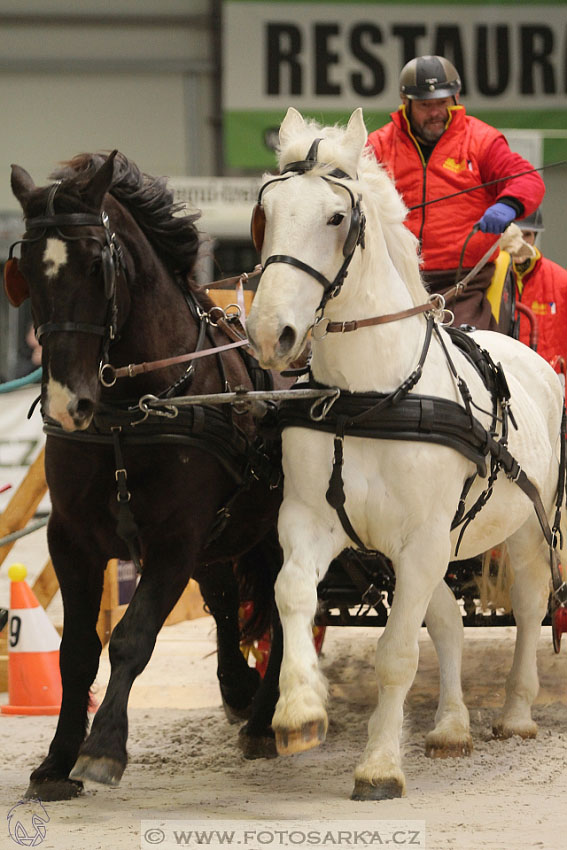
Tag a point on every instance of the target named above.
point(31, 630)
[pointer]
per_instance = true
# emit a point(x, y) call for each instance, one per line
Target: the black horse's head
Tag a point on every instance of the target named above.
point(71, 268)
point(105, 251)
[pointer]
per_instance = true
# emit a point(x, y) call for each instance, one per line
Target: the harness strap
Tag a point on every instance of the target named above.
point(335, 494)
point(293, 261)
point(80, 327)
point(346, 327)
point(369, 593)
point(126, 526)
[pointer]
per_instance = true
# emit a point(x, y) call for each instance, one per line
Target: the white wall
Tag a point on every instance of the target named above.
point(133, 74)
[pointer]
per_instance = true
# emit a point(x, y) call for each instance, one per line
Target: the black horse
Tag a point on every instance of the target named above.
point(106, 259)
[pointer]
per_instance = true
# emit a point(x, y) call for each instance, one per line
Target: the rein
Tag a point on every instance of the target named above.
point(109, 374)
point(488, 183)
point(435, 305)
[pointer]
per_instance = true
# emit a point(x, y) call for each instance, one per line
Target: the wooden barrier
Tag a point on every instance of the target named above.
point(23, 504)
point(189, 606)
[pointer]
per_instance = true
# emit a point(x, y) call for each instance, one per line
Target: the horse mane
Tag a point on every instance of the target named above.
point(149, 200)
point(382, 204)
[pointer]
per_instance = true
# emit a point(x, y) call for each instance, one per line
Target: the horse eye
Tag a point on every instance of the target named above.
point(95, 267)
point(336, 219)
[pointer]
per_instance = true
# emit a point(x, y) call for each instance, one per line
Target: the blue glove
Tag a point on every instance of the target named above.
point(497, 218)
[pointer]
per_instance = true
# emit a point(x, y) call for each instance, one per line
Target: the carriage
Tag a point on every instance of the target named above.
point(105, 287)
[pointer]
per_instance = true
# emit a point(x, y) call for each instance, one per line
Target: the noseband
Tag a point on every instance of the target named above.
point(111, 258)
point(355, 235)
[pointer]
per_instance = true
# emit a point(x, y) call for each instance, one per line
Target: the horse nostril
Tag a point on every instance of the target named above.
point(81, 409)
point(286, 340)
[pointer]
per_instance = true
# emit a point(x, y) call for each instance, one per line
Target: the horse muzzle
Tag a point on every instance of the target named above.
point(73, 412)
point(275, 348)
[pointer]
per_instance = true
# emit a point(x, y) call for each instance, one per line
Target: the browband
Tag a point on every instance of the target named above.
point(64, 220)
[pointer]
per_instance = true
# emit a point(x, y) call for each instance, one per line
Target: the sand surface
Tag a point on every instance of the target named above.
point(185, 763)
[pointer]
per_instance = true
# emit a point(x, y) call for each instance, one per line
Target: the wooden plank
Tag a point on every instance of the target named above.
point(23, 504)
point(46, 585)
point(109, 602)
point(224, 297)
point(189, 606)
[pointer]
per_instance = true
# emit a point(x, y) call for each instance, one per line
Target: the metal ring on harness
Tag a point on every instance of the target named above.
point(236, 314)
point(105, 381)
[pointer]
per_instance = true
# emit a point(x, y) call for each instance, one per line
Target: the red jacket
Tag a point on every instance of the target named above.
point(543, 288)
point(468, 153)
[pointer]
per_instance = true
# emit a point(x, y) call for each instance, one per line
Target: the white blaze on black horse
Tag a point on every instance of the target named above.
point(402, 495)
point(55, 256)
point(107, 260)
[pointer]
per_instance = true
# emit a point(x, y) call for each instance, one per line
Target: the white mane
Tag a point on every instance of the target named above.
point(381, 202)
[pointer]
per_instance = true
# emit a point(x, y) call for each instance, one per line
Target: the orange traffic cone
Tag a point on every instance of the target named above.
point(34, 680)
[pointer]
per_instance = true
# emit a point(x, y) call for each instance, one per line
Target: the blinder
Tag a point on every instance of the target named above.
point(15, 284)
point(258, 226)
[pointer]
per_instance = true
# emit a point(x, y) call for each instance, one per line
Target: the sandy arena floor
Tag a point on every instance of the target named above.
point(185, 764)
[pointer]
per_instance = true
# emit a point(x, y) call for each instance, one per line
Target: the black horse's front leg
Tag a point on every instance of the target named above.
point(80, 577)
point(102, 757)
point(256, 739)
point(237, 680)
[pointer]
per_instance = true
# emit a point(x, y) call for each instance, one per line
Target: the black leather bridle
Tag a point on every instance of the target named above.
point(112, 259)
point(355, 235)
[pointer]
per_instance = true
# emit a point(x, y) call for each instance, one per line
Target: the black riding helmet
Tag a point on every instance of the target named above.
point(429, 78)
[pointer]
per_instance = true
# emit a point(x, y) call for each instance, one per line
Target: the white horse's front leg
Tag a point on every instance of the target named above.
point(451, 736)
point(379, 775)
point(300, 718)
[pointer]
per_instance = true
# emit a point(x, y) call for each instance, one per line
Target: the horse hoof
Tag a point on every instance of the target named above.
point(236, 715)
point(289, 741)
point(502, 732)
point(388, 789)
point(262, 747)
point(449, 750)
point(50, 790)
point(105, 770)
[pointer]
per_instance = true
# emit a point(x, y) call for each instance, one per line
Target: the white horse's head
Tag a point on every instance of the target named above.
point(308, 226)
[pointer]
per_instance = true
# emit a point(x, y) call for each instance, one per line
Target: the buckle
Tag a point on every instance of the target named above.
point(319, 328)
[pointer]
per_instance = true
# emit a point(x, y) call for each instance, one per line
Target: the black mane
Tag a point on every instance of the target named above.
point(174, 236)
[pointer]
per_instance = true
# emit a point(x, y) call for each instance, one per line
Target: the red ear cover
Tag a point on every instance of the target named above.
point(15, 284)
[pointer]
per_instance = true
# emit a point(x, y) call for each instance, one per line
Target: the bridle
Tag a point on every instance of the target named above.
point(355, 235)
point(112, 260)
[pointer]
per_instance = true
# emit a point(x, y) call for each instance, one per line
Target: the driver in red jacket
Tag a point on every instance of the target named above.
point(432, 148)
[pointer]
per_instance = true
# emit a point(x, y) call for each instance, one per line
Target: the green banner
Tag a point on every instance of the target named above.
point(326, 59)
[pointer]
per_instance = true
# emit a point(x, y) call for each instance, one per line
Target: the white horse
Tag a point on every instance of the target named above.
point(401, 497)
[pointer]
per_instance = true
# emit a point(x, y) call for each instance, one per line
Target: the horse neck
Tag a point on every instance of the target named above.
point(375, 358)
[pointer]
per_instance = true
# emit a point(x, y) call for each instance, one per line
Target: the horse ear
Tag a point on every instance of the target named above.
point(356, 133)
point(22, 184)
point(101, 181)
point(292, 123)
